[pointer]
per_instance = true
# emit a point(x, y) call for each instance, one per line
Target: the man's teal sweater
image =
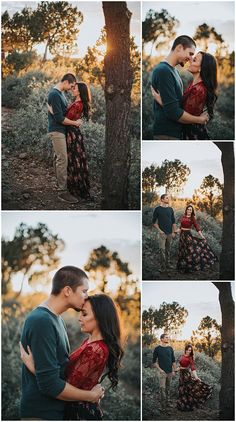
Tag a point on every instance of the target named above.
point(46, 335)
point(167, 81)
point(59, 103)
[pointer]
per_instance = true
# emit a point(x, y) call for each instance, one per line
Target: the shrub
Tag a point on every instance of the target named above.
point(12, 319)
point(16, 89)
point(120, 405)
point(98, 105)
point(19, 61)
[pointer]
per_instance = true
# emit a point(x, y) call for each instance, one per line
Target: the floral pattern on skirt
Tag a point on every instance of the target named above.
point(192, 393)
point(77, 170)
point(83, 411)
point(194, 253)
point(195, 132)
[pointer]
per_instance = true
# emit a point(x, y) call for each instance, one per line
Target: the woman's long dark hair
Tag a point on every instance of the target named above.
point(107, 317)
point(193, 212)
point(208, 74)
point(85, 96)
point(187, 346)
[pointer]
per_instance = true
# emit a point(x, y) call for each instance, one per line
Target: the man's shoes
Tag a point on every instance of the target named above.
point(67, 197)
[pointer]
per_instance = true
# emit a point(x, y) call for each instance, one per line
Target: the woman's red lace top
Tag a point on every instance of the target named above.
point(187, 362)
point(187, 223)
point(86, 364)
point(74, 111)
point(194, 98)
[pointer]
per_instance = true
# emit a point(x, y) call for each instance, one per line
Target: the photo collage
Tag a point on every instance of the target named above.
point(118, 210)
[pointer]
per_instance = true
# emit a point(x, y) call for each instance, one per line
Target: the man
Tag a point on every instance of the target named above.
point(57, 123)
point(164, 222)
point(45, 394)
point(169, 117)
point(164, 361)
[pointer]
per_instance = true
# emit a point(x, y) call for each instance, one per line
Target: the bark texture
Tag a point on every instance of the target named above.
point(118, 84)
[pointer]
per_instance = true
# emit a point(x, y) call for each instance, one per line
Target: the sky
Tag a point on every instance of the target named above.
point(93, 22)
point(199, 298)
point(203, 158)
point(83, 231)
point(219, 14)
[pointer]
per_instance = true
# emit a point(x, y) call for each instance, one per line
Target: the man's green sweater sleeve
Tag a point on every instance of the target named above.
point(43, 343)
point(162, 81)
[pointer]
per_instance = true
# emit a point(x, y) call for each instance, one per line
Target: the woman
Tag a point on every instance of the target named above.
point(192, 391)
point(194, 253)
point(102, 349)
point(200, 95)
point(77, 169)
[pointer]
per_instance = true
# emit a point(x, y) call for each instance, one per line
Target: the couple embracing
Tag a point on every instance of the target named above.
point(180, 114)
point(194, 253)
point(57, 385)
point(192, 392)
point(64, 122)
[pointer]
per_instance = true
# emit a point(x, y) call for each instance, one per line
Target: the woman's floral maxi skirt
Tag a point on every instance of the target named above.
point(82, 411)
point(77, 169)
point(194, 253)
point(192, 393)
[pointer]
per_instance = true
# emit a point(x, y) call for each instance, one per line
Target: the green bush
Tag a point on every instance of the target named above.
point(30, 127)
point(19, 61)
point(12, 320)
point(98, 105)
point(120, 405)
point(16, 89)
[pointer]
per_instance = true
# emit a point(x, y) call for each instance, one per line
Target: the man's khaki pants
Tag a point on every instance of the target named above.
point(165, 382)
point(164, 243)
point(60, 159)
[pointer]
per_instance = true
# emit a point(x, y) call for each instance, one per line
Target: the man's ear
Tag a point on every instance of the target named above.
point(67, 291)
point(179, 48)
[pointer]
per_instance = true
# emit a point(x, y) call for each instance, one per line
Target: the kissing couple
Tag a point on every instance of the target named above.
point(57, 385)
point(180, 114)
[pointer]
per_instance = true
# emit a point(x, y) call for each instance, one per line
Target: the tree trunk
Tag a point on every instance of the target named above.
point(118, 84)
point(227, 254)
point(227, 350)
point(46, 50)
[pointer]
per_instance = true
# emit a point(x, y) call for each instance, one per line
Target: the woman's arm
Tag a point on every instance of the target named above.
point(186, 118)
point(197, 227)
